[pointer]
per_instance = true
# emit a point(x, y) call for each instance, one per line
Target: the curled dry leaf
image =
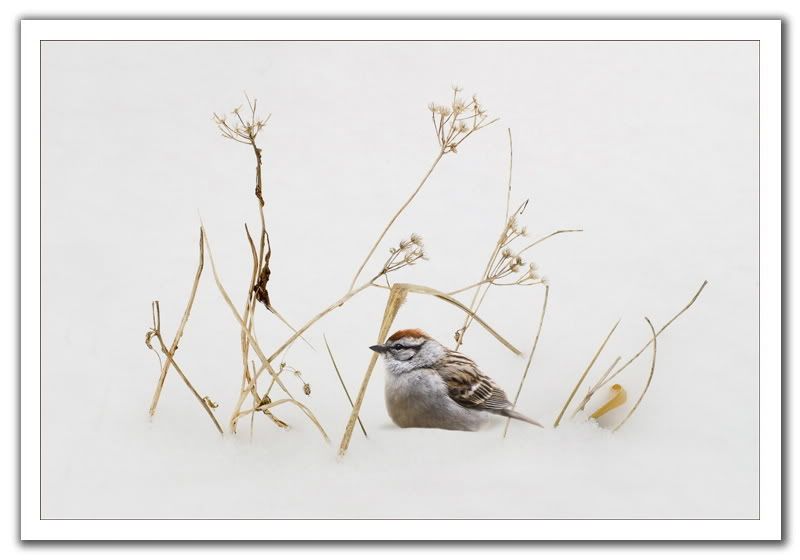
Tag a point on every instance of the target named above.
point(209, 402)
point(618, 396)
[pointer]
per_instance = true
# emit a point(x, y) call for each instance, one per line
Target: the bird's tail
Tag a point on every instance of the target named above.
point(518, 416)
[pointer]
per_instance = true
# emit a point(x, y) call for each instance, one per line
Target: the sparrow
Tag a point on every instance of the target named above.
point(431, 386)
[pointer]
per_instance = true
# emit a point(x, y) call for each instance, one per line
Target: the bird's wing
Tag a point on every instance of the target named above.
point(467, 386)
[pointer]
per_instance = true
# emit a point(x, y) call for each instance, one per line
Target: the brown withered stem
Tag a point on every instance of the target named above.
point(607, 376)
point(169, 354)
point(649, 377)
point(452, 124)
point(661, 330)
point(257, 349)
point(179, 333)
point(245, 130)
point(584, 374)
point(341, 380)
point(530, 356)
point(503, 261)
point(596, 387)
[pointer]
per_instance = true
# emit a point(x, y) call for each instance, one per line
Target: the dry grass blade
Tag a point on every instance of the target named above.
point(254, 344)
point(397, 295)
point(179, 333)
point(335, 305)
point(510, 171)
point(649, 377)
point(416, 288)
point(661, 330)
point(590, 393)
point(393, 219)
point(341, 380)
point(530, 358)
point(584, 374)
point(205, 402)
point(548, 236)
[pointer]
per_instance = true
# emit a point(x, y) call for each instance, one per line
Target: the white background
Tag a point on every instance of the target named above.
point(678, 299)
point(652, 148)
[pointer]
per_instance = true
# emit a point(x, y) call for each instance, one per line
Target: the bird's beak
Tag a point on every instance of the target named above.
point(379, 348)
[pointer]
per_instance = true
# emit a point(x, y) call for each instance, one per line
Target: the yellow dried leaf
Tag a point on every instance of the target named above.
point(618, 398)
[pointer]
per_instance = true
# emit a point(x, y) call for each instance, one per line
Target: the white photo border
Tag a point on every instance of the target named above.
point(766, 32)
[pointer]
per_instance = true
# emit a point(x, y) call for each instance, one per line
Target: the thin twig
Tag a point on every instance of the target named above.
point(548, 236)
point(341, 380)
point(171, 359)
point(530, 358)
point(397, 296)
point(584, 374)
point(649, 377)
point(179, 333)
point(510, 170)
point(436, 160)
point(661, 330)
point(597, 386)
point(254, 344)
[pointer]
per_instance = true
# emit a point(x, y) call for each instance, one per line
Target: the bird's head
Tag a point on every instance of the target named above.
point(409, 349)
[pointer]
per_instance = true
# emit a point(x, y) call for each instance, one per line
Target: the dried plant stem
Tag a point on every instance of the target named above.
point(548, 236)
point(590, 393)
point(472, 305)
point(299, 332)
point(171, 359)
point(584, 374)
point(256, 348)
point(341, 380)
point(480, 295)
point(661, 330)
point(179, 333)
point(416, 288)
point(533, 350)
point(436, 160)
point(338, 303)
point(397, 296)
point(649, 377)
point(510, 171)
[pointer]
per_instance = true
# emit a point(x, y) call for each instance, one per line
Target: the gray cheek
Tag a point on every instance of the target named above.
point(403, 355)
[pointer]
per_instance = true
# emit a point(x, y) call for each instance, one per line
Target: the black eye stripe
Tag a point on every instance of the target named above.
point(406, 347)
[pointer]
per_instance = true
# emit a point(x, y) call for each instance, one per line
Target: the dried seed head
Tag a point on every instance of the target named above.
point(416, 239)
point(506, 253)
point(513, 223)
point(307, 388)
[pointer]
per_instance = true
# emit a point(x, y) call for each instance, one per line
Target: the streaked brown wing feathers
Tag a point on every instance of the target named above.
point(467, 386)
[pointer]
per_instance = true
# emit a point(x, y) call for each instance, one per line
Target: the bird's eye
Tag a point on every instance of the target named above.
point(397, 346)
